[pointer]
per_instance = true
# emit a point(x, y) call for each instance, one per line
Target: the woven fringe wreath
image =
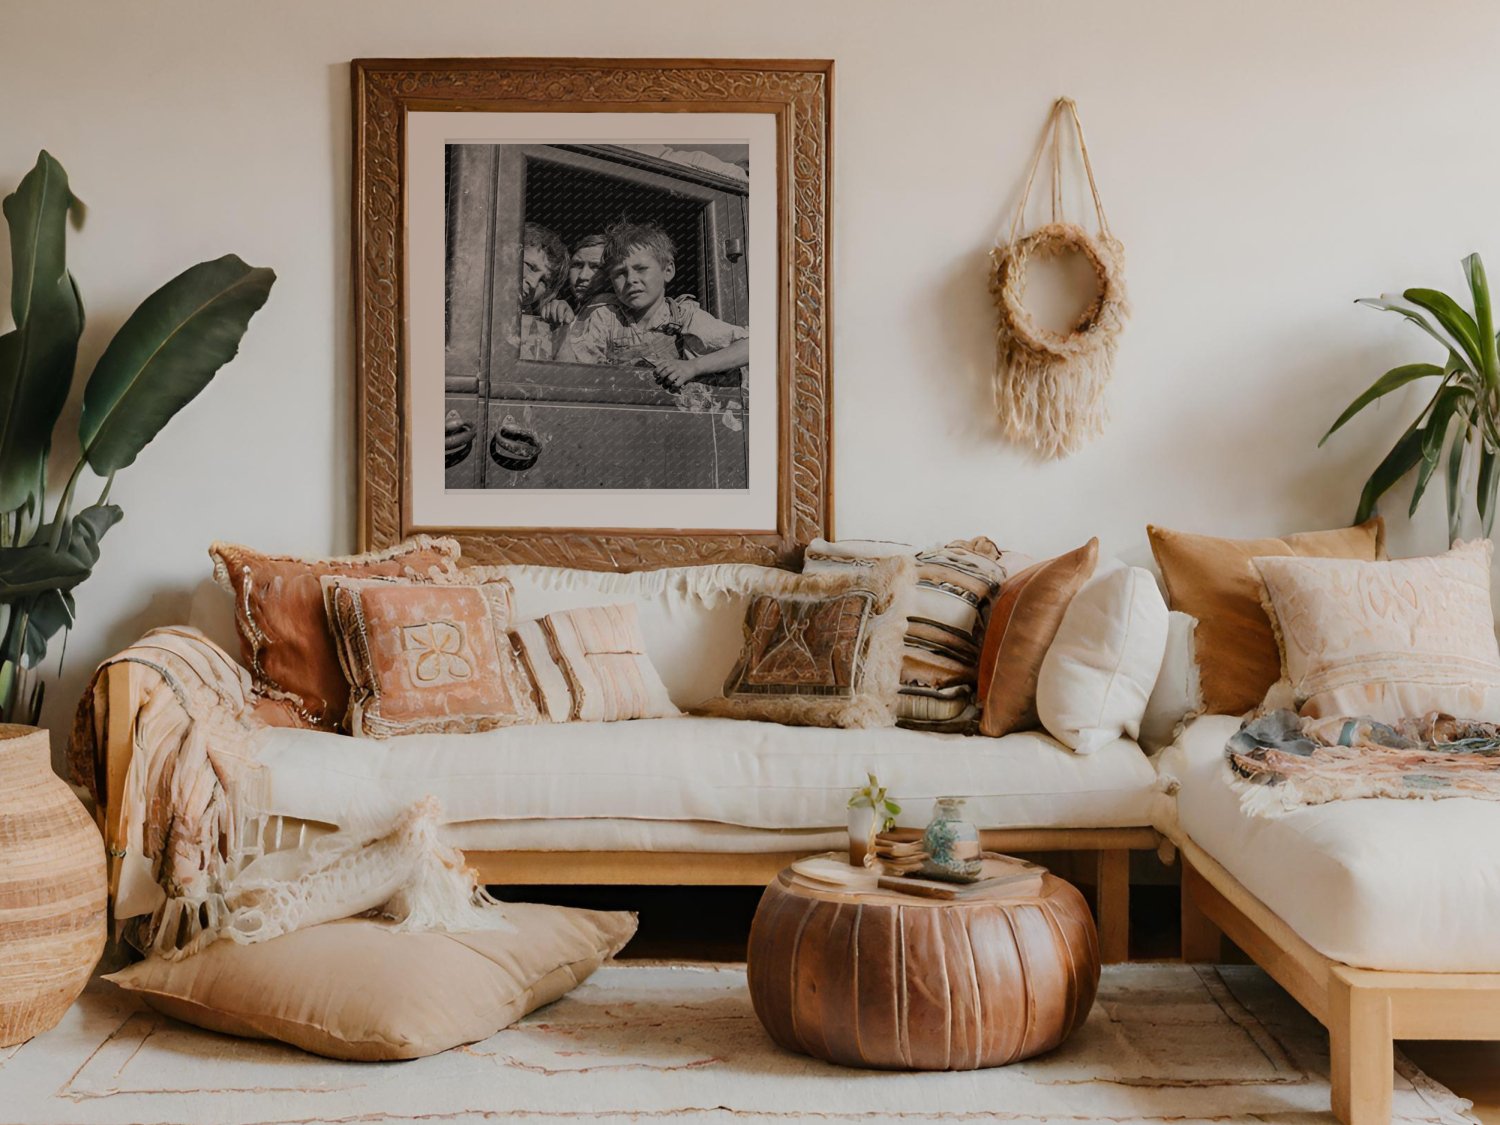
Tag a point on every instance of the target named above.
point(1049, 386)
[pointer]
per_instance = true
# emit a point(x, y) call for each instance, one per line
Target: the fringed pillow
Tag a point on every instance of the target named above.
point(823, 649)
point(955, 587)
point(1385, 640)
point(285, 639)
point(423, 657)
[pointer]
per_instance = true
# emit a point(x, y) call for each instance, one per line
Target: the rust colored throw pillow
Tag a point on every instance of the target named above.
point(590, 665)
point(1215, 581)
point(284, 634)
point(824, 649)
point(427, 657)
point(1025, 618)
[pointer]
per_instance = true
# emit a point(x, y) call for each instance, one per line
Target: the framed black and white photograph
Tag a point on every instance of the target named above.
point(597, 316)
point(610, 308)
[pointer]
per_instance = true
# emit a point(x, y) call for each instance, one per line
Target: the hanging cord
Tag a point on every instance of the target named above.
point(1052, 136)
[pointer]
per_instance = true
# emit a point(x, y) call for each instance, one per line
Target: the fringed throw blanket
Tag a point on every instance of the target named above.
point(1281, 761)
point(191, 841)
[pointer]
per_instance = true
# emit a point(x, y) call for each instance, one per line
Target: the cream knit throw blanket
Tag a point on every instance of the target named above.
point(191, 842)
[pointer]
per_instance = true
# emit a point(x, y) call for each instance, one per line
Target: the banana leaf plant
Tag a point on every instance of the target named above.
point(1457, 427)
point(164, 354)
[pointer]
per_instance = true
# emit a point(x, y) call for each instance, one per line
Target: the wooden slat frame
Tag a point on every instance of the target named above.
point(1364, 1010)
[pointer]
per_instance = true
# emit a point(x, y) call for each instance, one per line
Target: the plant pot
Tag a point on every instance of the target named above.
point(53, 892)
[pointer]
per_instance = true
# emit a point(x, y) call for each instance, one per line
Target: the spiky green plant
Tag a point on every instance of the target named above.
point(163, 355)
point(1457, 427)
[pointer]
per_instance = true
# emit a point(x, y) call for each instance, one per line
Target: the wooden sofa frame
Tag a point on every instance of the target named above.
point(1364, 1010)
point(1111, 846)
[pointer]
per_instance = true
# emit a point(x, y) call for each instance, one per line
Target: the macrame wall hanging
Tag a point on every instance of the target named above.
point(1049, 386)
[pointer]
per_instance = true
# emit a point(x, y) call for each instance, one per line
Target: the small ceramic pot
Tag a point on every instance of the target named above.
point(951, 843)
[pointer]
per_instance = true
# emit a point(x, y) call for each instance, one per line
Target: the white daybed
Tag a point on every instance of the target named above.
point(1382, 917)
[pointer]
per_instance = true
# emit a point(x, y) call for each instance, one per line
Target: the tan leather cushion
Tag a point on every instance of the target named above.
point(1214, 580)
point(1022, 624)
point(356, 990)
point(278, 611)
point(426, 656)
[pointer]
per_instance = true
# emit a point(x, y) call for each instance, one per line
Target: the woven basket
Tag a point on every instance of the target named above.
point(52, 889)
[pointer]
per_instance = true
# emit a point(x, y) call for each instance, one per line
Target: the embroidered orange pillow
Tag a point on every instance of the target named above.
point(284, 635)
point(424, 657)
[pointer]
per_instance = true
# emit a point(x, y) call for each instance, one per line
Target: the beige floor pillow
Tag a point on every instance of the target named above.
point(356, 990)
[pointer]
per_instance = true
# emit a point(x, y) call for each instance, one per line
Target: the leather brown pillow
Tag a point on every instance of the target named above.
point(285, 640)
point(1214, 580)
point(1023, 622)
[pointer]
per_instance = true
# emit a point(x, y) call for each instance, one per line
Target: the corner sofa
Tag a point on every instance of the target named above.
point(686, 800)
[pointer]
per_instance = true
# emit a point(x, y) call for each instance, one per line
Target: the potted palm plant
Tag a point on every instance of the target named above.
point(162, 356)
point(1457, 427)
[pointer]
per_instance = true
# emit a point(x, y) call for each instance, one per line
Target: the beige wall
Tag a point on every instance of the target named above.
point(1264, 164)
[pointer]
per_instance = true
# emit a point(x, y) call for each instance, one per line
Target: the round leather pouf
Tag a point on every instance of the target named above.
point(889, 980)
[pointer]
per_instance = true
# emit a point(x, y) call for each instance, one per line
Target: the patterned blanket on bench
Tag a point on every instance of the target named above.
point(1280, 761)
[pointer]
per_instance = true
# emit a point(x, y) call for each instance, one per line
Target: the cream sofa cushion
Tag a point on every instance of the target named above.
point(1099, 670)
point(729, 771)
point(356, 990)
point(1379, 884)
point(1390, 640)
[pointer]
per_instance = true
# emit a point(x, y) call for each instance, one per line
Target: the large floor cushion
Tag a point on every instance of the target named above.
point(1379, 884)
point(730, 771)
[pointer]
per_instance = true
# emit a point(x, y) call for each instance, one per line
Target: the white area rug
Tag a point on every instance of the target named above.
point(644, 1042)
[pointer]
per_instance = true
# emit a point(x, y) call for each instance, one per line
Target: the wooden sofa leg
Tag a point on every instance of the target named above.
point(1202, 941)
point(1112, 885)
point(1361, 1052)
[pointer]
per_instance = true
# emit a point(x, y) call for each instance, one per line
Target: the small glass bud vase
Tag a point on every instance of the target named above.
point(951, 843)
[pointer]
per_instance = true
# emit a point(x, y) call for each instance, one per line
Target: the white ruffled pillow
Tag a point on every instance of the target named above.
point(1098, 674)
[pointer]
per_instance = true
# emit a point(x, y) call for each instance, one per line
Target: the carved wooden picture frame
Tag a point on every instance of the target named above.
point(415, 157)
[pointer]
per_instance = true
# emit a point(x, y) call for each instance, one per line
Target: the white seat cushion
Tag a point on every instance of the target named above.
point(1408, 885)
point(730, 771)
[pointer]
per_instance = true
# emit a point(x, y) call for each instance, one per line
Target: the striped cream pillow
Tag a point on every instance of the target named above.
point(956, 584)
point(590, 665)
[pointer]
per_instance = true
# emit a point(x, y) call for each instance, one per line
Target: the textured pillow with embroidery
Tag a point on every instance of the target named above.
point(590, 665)
point(427, 657)
point(824, 649)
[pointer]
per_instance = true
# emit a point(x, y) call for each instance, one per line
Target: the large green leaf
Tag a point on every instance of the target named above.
point(35, 568)
point(1484, 317)
point(1454, 319)
point(37, 356)
point(1391, 302)
point(164, 355)
point(1448, 402)
point(1393, 379)
point(1402, 458)
point(1455, 474)
point(1488, 480)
